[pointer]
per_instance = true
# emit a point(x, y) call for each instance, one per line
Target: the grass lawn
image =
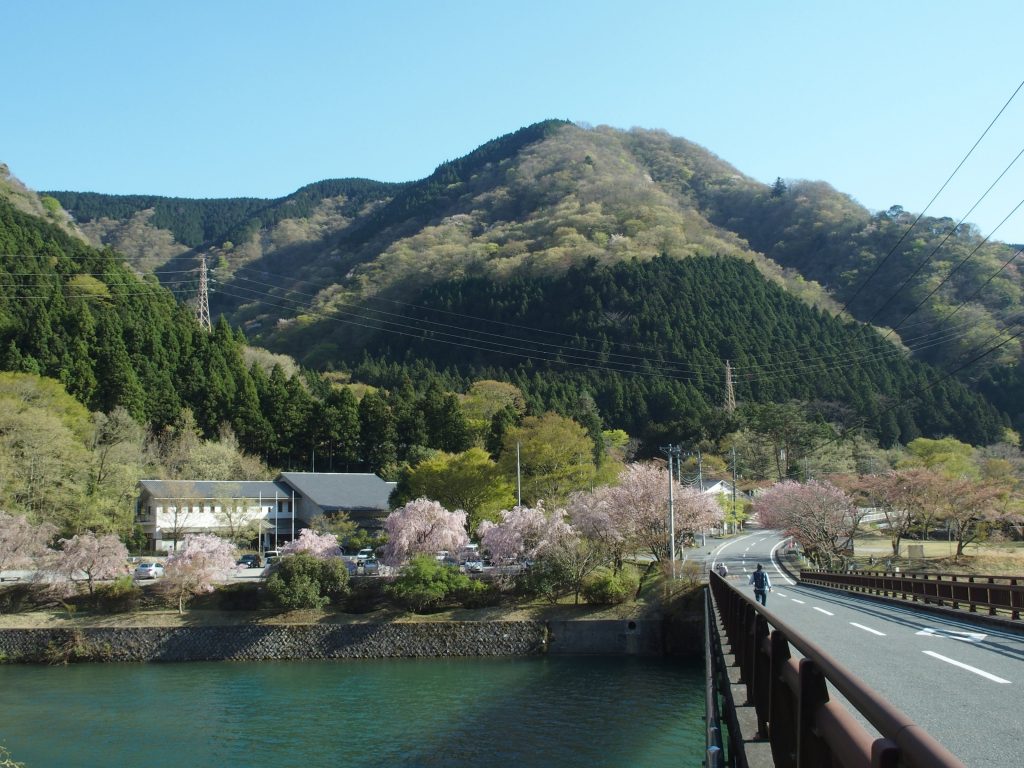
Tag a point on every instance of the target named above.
point(994, 559)
point(654, 596)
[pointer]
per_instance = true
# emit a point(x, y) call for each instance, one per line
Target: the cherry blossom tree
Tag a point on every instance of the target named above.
point(318, 545)
point(98, 557)
point(633, 515)
point(595, 514)
point(970, 508)
point(816, 514)
point(906, 497)
point(423, 527)
point(203, 560)
point(696, 511)
point(523, 533)
point(21, 542)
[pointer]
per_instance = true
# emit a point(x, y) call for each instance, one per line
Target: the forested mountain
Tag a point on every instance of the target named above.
point(314, 275)
point(647, 341)
point(121, 344)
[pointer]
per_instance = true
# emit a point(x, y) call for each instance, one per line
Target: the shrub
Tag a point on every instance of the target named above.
point(19, 597)
point(544, 579)
point(478, 594)
point(426, 584)
point(364, 596)
point(609, 588)
point(303, 581)
point(120, 596)
point(239, 597)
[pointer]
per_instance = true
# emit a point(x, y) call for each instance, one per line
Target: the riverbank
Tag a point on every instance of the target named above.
point(58, 636)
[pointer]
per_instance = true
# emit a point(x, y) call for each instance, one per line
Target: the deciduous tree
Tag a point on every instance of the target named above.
point(204, 559)
point(98, 557)
point(470, 481)
point(318, 545)
point(22, 543)
point(423, 526)
point(523, 533)
point(555, 457)
point(817, 514)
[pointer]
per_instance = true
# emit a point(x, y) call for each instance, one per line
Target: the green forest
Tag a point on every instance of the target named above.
point(647, 341)
point(551, 196)
point(603, 276)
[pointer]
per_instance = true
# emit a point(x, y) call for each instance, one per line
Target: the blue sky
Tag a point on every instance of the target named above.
point(222, 98)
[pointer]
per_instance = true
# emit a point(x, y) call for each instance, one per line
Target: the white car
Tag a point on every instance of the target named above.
point(474, 565)
point(148, 570)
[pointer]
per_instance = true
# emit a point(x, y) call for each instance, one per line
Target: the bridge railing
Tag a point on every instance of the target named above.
point(805, 727)
point(715, 756)
point(998, 595)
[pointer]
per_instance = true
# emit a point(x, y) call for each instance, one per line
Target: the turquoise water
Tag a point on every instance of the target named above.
point(572, 712)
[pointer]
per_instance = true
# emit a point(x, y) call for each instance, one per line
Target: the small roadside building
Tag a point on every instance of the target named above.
point(264, 513)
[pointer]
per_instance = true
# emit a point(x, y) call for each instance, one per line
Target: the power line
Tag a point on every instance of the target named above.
point(930, 202)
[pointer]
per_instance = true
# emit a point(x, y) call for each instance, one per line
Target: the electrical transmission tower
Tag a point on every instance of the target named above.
point(203, 299)
point(730, 395)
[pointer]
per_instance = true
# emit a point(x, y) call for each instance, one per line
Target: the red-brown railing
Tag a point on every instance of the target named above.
point(999, 595)
point(804, 726)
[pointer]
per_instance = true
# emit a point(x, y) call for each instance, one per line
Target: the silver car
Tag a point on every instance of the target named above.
point(148, 571)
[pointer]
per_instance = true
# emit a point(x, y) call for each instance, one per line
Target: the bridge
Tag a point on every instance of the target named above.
point(861, 669)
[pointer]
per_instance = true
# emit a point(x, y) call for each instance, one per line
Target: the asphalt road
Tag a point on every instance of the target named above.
point(963, 682)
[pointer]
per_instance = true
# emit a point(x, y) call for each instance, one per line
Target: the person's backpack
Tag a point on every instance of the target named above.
point(759, 579)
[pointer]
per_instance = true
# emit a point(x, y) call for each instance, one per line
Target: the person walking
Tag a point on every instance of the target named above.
point(722, 570)
point(762, 585)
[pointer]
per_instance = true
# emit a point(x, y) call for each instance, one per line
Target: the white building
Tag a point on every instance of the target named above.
point(269, 513)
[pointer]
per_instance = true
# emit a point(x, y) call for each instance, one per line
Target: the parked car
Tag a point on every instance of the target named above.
point(370, 568)
point(474, 565)
point(249, 561)
point(148, 570)
point(365, 554)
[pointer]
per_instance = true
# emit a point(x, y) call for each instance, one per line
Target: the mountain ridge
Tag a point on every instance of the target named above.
point(553, 195)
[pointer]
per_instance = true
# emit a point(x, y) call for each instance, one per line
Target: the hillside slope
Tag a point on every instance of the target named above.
point(542, 200)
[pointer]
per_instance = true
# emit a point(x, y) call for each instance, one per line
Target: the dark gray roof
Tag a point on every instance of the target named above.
point(341, 490)
point(215, 489)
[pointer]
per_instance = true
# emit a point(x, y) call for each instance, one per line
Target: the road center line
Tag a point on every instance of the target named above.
point(780, 594)
point(867, 629)
point(969, 668)
point(799, 601)
point(822, 610)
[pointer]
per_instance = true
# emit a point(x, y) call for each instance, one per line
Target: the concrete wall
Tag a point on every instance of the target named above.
point(257, 642)
point(630, 638)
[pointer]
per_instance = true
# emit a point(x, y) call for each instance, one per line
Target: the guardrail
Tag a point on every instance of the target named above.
point(714, 756)
point(805, 727)
point(1000, 595)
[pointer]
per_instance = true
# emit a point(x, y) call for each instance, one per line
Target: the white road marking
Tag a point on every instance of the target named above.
point(952, 634)
point(778, 570)
point(822, 610)
point(799, 601)
point(969, 668)
point(867, 629)
point(780, 594)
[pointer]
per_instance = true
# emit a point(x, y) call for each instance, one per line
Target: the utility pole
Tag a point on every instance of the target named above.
point(734, 486)
point(700, 485)
point(519, 480)
point(203, 300)
point(672, 451)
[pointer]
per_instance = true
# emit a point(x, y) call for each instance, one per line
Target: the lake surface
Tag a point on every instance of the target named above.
point(570, 712)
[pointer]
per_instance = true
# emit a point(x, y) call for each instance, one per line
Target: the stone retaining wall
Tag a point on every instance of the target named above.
point(262, 642)
point(257, 642)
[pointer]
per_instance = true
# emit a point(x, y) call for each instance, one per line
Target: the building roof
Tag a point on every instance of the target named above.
point(341, 490)
point(215, 489)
